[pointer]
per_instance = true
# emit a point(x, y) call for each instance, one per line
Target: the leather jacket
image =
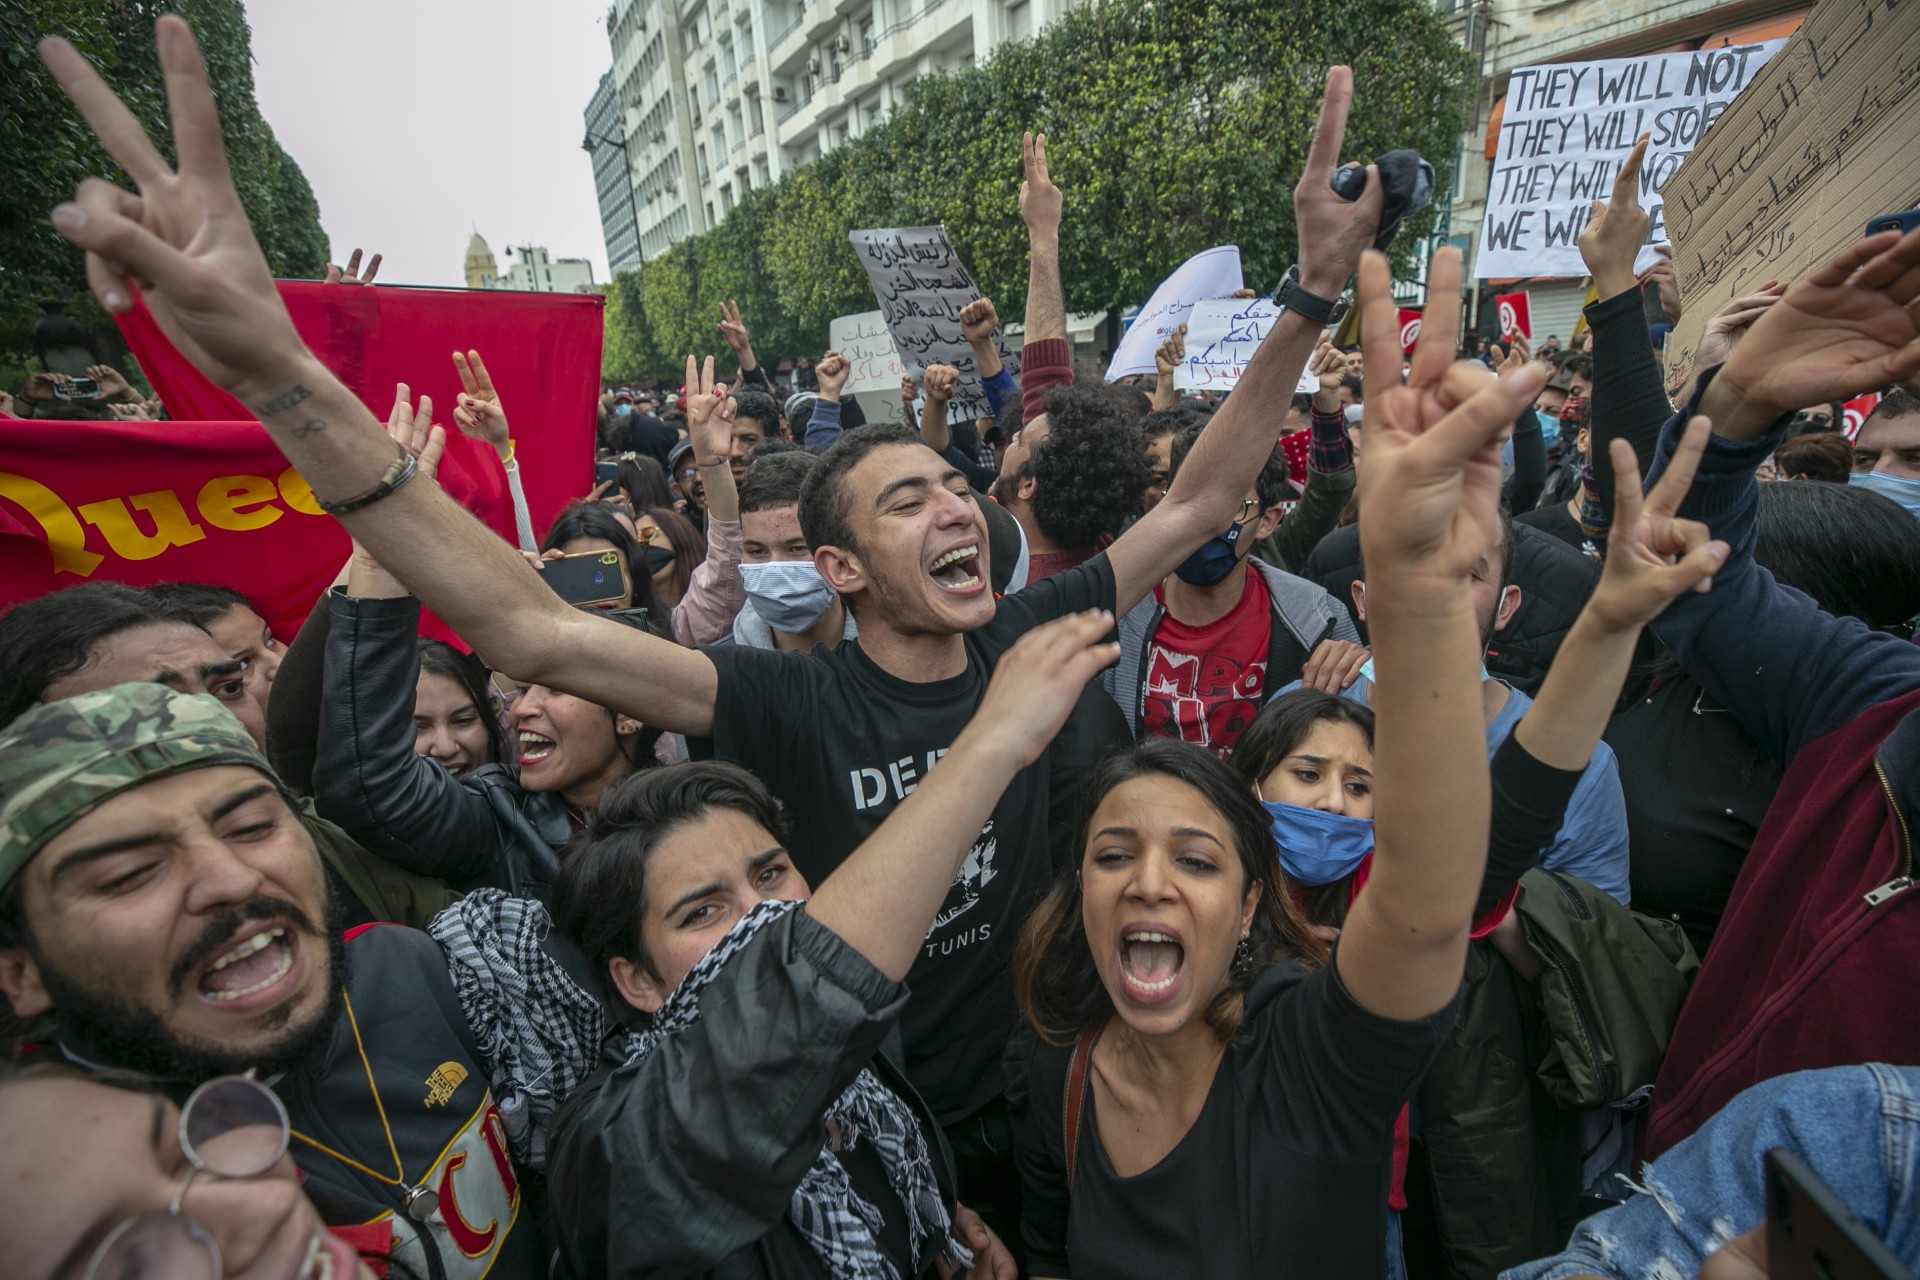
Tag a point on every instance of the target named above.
point(480, 830)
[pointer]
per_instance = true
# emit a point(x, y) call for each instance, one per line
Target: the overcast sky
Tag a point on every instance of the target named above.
point(418, 121)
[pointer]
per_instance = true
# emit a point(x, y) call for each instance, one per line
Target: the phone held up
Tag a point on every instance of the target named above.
point(590, 577)
point(1903, 222)
point(1812, 1235)
point(77, 389)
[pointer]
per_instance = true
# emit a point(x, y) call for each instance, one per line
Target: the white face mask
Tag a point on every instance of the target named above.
point(1900, 489)
point(789, 595)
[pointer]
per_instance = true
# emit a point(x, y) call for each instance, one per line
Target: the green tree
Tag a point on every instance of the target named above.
point(46, 150)
point(1173, 126)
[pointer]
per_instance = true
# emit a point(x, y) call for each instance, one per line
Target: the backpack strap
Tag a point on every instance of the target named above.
point(1077, 1094)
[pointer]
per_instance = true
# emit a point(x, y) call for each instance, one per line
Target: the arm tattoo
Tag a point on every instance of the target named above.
point(285, 400)
point(305, 429)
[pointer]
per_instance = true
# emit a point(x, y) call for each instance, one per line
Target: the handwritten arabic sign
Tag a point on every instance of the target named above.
point(873, 362)
point(922, 286)
point(1566, 131)
point(1820, 143)
point(1222, 337)
point(1213, 274)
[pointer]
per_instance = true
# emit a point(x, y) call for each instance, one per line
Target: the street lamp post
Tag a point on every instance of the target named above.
point(587, 144)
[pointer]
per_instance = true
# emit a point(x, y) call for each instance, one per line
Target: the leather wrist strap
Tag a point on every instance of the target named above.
point(1294, 297)
point(397, 474)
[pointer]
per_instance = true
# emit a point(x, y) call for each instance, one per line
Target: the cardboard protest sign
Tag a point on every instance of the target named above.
point(1409, 330)
point(1516, 314)
point(922, 287)
point(1222, 337)
point(1566, 130)
point(1212, 274)
point(873, 363)
point(1821, 142)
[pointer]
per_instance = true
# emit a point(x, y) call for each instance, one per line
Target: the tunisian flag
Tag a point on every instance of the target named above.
point(214, 501)
point(1516, 315)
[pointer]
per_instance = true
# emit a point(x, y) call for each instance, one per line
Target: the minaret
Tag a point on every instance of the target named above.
point(482, 270)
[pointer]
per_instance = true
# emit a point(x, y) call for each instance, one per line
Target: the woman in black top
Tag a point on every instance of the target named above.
point(1235, 1105)
point(757, 1121)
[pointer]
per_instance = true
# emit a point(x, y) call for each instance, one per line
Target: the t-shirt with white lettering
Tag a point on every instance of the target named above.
point(842, 742)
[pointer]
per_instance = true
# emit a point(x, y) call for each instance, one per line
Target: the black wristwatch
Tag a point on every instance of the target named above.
point(1294, 297)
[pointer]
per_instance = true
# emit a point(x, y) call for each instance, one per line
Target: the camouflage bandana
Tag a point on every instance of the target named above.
point(62, 760)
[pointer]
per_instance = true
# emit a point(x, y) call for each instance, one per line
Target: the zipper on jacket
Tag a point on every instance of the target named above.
point(1899, 884)
point(1583, 1012)
point(1574, 900)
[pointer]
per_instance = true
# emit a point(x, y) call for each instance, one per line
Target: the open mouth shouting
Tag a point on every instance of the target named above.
point(957, 571)
point(534, 747)
point(254, 971)
point(1152, 962)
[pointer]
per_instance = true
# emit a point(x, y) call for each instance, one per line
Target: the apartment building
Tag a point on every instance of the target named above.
point(1506, 34)
point(719, 97)
point(606, 142)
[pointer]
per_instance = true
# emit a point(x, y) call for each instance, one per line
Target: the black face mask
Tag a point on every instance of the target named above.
point(1213, 560)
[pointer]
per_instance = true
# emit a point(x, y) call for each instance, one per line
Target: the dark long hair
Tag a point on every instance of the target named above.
point(1055, 981)
point(596, 520)
point(1277, 733)
point(439, 658)
point(641, 477)
point(688, 544)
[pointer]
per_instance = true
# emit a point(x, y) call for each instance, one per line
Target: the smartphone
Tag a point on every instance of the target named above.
point(606, 472)
point(1903, 222)
point(1811, 1235)
point(591, 577)
point(77, 389)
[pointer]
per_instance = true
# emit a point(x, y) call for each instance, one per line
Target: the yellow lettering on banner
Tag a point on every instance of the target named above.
point(62, 532)
point(222, 497)
point(171, 528)
point(297, 493)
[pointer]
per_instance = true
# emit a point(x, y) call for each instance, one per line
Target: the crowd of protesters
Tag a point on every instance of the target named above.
point(1454, 822)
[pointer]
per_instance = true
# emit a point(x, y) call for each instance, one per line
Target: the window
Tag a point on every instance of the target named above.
point(755, 116)
point(866, 36)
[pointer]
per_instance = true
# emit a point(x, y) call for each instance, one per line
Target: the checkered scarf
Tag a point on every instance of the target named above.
point(842, 1228)
point(539, 1032)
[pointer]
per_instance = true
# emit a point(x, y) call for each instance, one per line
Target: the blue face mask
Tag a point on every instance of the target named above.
point(789, 595)
point(1549, 427)
point(1902, 490)
point(1215, 559)
point(1318, 848)
point(622, 410)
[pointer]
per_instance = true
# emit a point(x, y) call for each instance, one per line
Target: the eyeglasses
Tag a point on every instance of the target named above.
point(231, 1127)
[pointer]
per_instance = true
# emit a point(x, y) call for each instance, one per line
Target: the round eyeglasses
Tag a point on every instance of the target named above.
point(231, 1127)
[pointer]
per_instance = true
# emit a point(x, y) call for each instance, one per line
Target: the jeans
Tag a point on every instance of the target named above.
point(1858, 1128)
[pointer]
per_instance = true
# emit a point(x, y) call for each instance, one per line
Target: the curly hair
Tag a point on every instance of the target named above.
point(1091, 472)
point(1274, 484)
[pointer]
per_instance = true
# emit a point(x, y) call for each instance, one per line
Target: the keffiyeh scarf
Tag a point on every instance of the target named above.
point(539, 1032)
point(842, 1228)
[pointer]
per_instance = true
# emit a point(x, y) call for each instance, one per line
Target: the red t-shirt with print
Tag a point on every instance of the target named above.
point(1204, 684)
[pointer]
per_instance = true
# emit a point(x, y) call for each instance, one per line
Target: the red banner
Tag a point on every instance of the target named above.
point(1409, 330)
point(1516, 315)
point(214, 500)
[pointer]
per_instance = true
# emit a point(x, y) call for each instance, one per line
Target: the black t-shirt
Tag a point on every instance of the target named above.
point(1559, 522)
point(649, 435)
point(1697, 788)
point(841, 742)
point(1285, 1172)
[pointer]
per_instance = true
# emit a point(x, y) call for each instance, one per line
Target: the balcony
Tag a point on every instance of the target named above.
point(788, 28)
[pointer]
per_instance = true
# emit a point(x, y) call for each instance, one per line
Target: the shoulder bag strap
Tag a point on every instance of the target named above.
point(1077, 1094)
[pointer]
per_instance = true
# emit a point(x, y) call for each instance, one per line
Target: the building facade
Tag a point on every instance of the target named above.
point(719, 97)
point(606, 142)
point(535, 271)
point(1506, 34)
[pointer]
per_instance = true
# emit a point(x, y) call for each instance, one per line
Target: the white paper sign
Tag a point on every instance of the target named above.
point(1222, 336)
point(873, 362)
point(1568, 128)
point(922, 287)
point(1213, 274)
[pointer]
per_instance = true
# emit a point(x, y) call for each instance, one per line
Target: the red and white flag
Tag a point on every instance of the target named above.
point(1516, 315)
point(1409, 330)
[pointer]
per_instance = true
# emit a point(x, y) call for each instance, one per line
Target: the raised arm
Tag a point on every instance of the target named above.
point(1788, 670)
point(208, 287)
point(733, 331)
point(1330, 475)
point(1429, 513)
point(1167, 358)
point(940, 382)
point(979, 322)
point(883, 898)
point(823, 424)
point(1214, 480)
point(1629, 393)
point(479, 413)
